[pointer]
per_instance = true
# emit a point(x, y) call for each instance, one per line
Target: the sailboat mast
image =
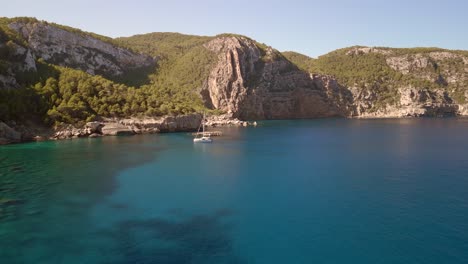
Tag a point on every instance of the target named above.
point(203, 123)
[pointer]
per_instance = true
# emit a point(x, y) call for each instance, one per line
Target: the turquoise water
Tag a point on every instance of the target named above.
point(318, 191)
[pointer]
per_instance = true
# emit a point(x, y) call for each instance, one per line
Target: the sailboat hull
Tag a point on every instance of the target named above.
point(206, 137)
point(202, 140)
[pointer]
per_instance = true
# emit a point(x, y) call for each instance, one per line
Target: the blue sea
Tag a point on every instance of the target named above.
point(304, 191)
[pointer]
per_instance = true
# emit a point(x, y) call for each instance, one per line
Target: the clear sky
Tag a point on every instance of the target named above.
point(311, 27)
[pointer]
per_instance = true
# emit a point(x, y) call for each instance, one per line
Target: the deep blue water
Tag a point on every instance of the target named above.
point(316, 191)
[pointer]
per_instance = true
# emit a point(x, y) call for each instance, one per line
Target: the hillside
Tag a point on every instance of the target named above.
point(56, 74)
point(52, 75)
point(391, 77)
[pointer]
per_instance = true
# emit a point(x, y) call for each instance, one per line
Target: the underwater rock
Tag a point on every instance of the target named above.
point(7, 202)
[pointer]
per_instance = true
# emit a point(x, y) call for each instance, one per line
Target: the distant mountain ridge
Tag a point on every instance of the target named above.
point(55, 74)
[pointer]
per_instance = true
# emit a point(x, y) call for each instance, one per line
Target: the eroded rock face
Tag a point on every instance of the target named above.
point(94, 127)
point(8, 135)
point(116, 129)
point(8, 82)
point(163, 124)
point(249, 83)
point(130, 126)
point(409, 63)
point(412, 103)
point(424, 66)
point(424, 102)
point(367, 50)
point(463, 109)
point(20, 59)
point(59, 46)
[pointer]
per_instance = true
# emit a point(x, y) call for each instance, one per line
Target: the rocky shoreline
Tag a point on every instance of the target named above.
point(11, 133)
point(117, 127)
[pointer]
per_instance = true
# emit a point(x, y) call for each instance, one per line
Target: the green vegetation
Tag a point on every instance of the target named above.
point(7, 34)
point(302, 61)
point(183, 62)
point(73, 96)
point(371, 71)
point(62, 95)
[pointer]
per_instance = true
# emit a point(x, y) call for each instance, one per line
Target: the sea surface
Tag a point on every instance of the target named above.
point(306, 191)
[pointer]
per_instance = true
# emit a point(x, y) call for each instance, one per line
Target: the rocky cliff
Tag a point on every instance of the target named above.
point(61, 46)
point(386, 82)
point(82, 51)
point(253, 83)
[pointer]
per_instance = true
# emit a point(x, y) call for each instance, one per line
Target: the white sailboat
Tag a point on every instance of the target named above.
point(205, 137)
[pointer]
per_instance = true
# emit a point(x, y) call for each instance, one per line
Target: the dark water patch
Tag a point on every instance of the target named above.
point(202, 238)
point(61, 182)
point(55, 170)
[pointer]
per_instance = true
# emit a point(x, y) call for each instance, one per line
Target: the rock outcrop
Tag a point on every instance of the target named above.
point(412, 103)
point(116, 129)
point(131, 126)
point(8, 135)
point(226, 120)
point(163, 124)
point(76, 49)
point(250, 83)
point(417, 65)
point(366, 50)
point(20, 59)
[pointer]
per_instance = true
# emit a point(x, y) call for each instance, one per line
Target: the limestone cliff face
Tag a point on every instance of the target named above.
point(251, 83)
point(416, 65)
point(21, 59)
point(446, 69)
point(81, 51)
point(412, 102)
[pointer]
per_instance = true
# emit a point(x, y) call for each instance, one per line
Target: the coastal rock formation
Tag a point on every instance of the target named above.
point(225, 120)
point(253, 83)
point(412, 103)
point(94, 127)
point(116, 129)
point(76, 49)
point(250, 83)
point(131, 126)
point(163, 124)
point(386, 82)
point(148, 125)
point(8, 135)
